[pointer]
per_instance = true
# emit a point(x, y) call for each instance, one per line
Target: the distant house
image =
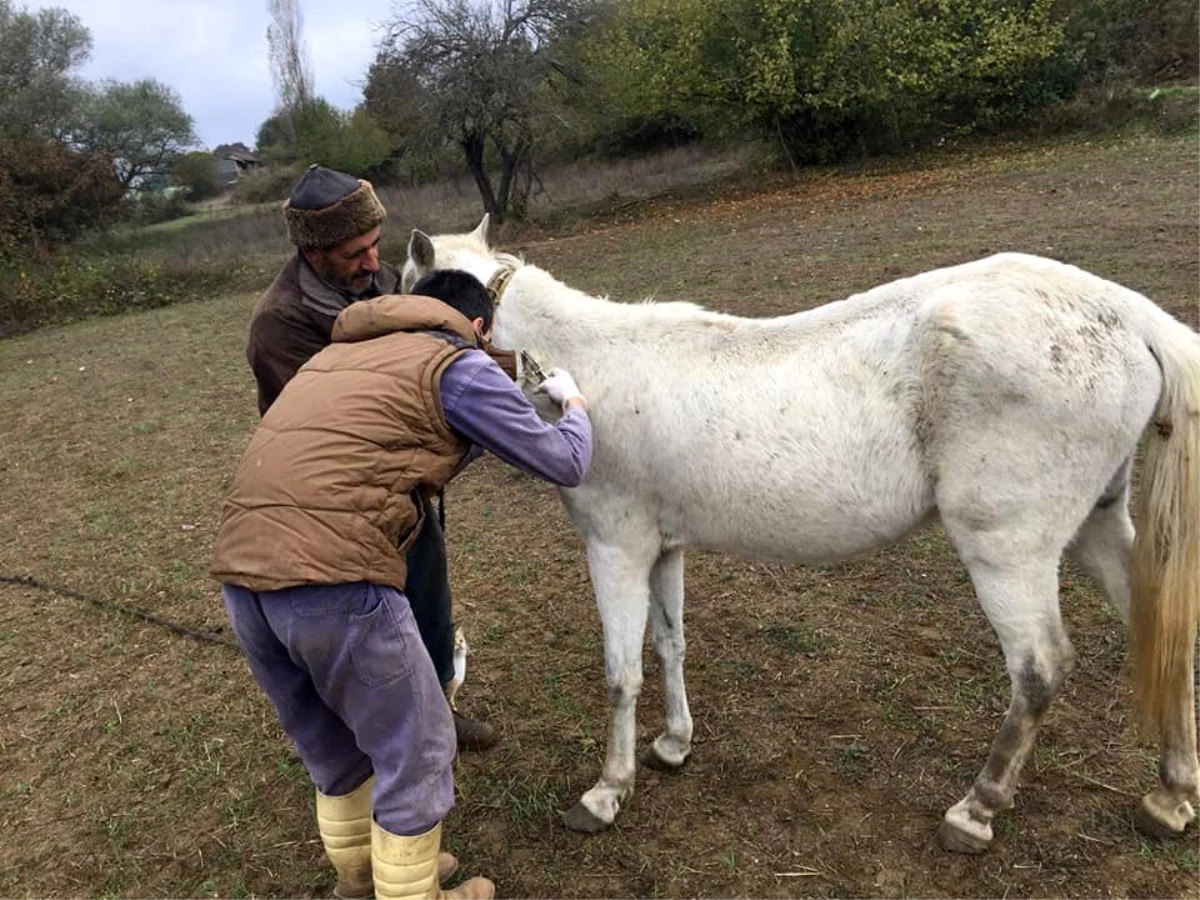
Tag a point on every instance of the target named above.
point(233, 160)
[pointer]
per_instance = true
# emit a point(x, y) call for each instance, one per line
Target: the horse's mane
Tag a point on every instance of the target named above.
point(648, 308)
point(509, 259)
point(647, 311)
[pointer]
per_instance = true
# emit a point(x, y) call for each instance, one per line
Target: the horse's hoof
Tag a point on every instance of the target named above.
point(580, 818)
point(1156, 823)
point(651, 760)
point(954, 839)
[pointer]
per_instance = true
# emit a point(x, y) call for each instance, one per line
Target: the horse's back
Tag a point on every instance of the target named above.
point(828, 433)
point(1035, 337)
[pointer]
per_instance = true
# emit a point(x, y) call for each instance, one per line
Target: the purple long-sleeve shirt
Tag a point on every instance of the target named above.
point(485, 406)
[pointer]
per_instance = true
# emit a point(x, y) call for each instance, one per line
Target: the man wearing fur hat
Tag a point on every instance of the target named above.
point(334, 220)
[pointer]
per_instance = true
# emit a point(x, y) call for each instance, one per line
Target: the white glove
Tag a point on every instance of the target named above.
point(560, 387)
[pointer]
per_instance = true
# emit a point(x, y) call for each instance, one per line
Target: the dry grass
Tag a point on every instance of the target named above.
point(838, 709)
point(563, 196)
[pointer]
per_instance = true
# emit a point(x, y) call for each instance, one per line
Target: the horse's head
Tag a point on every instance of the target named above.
point(468, 252)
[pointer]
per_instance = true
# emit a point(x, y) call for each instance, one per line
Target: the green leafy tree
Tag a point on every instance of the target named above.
point(38, 53)
point(641, 61)
point(270, 142)
point(350, 142)
point(141, 125)
point(390, 98)
point(199, 174)
point(827, 76)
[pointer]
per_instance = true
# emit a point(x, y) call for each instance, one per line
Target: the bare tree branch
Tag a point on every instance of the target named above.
point(479, 68)
point(289, 63)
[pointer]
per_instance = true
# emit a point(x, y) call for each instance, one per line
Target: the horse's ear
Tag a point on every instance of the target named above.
point(481, 230)
point(420, 250)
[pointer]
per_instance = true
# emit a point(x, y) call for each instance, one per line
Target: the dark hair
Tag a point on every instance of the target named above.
point(458, 289)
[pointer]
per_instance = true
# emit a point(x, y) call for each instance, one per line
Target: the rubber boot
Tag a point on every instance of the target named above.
point(406, 868)
point(345, 826)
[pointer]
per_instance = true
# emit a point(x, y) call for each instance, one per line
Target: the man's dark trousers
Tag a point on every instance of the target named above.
point(428, 592)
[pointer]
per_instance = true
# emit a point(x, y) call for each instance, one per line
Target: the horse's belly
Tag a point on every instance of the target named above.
point(817, 534)
point(813, 508)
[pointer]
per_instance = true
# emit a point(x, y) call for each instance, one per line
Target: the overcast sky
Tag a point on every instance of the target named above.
point(214, 53)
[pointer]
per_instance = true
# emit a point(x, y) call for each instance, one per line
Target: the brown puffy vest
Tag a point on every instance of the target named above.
point(329, 488)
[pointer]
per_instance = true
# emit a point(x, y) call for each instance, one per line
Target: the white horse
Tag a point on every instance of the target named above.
point(1008, 395)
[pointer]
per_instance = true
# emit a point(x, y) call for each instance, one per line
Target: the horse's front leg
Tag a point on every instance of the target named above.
point(670, 749)
point(621, 581)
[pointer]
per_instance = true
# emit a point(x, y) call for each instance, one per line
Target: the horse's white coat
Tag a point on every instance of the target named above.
point(1006, 394)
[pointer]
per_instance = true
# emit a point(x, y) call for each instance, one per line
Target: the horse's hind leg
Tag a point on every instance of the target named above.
point(1021, 601)
point(670, 749)
point(1167, 810)
point(1104, 543)
point(1102, 548)
point(621, 580)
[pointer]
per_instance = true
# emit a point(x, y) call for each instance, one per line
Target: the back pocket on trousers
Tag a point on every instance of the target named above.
point(380, 649)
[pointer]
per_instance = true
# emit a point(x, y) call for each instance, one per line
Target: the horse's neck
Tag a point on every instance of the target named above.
point(550, 319)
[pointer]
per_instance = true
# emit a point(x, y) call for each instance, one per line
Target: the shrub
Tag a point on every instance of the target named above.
point(50, 194)
point(69, 286)
point(152, 207)
point(268, 184)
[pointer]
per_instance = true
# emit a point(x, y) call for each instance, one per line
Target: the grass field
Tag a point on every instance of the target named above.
point(838, 710)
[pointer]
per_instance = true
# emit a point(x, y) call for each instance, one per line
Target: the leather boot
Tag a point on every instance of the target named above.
point(405, 868)
point(345, 826)
point(473, 734)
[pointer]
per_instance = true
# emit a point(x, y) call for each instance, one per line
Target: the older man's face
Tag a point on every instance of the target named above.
point(350, 265)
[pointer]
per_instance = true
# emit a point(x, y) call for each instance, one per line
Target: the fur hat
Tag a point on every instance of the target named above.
point(327, 207)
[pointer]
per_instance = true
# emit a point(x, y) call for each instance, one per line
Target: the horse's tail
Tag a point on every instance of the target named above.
point(1165, 605)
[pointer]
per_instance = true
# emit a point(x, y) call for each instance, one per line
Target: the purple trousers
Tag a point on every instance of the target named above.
point(355, 690)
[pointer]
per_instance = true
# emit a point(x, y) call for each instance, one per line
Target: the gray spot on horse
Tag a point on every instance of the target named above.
point(1035, 689)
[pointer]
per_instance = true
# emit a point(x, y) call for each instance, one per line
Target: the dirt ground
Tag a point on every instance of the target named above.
point(839, 710)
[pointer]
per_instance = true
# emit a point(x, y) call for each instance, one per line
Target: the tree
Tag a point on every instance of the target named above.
point(657, 65)
point(49, 191)
point(199, 174)
point(269, 141)
point(141, 125)
point(350, 142)
point(390, 97)
point(479, 70)
point(1151, 41)
point(289, 65)
point(38, 52)
point(827, 76)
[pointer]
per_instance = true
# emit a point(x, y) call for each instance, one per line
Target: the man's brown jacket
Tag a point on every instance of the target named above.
point(329, 490)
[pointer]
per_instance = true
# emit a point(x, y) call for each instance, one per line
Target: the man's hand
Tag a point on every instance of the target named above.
point(560, 387)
